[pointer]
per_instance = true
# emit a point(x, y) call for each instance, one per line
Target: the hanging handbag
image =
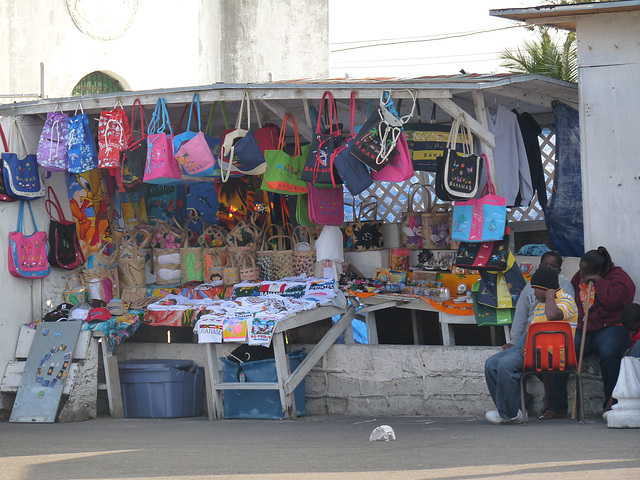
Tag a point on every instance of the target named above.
point(379, 135)
point(319, 166)
point(53, 145)
point(161, 166)
point(486, 315)
point(353, 173)
point(436, 227)
point(326, 205)
point(485, 255)
point(215, 142)
point(458, 173)
point(427, 141)
point(501, 289)
point(28, 253)
point(366, 230)
point(411, 230)
point(3, 191)
point(480, 219)
point(191, 149)
point(134, 157)
point(114, 134)
point(21, 175)
point(64, 248)
point(240, 152)
point(191, 253)
point(283, 172)
point(302, 210)
point(82, 150)
point(400, 167)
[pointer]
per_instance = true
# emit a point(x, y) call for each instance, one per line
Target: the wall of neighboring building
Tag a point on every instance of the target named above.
point(149, 45)
point(609, 66)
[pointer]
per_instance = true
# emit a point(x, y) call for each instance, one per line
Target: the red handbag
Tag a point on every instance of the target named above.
point(114, 134)
point(326, 205)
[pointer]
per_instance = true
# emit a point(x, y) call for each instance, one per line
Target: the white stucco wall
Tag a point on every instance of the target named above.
point(609, 66)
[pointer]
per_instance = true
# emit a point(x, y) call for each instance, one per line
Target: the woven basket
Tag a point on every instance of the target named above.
point(77, 293)
point(214, 252)
point(102, 278)
point(366, 230)
point(231, 273)
point(249, 271)
point(276, 255)
point(191, 254)
point(131, 260)
point(411, 232)
point(304, 261)
point(436, 228)
point(130, 295)
point(166, 261)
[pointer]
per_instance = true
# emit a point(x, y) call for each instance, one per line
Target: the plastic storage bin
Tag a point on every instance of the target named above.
point(259, 403)
point(161, 388)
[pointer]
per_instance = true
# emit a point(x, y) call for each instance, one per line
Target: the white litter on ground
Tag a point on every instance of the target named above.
point(383, 432)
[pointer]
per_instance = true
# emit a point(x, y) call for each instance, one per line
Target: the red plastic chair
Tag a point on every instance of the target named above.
point(550, 350)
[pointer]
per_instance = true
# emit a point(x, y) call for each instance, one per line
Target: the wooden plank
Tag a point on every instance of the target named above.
point(24, 341)
point(310, 316)
point(372, 328)
point(212, 378)
point(280, 110)
point(111, 374)
point(283, 370)
point(246, 386)
point(318, 351)
point(13, 376)
point(476, 127)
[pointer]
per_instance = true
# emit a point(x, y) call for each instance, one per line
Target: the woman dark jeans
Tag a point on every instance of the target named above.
point(612, 289)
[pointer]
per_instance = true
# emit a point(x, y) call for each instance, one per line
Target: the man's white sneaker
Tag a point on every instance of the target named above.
point(494, 417)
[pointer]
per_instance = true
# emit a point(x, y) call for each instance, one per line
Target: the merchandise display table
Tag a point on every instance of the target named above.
point(287, 380)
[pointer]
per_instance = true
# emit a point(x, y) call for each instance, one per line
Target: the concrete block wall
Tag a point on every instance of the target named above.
point(365, 380)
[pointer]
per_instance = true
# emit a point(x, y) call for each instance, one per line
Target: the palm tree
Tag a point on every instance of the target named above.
point(545, 56)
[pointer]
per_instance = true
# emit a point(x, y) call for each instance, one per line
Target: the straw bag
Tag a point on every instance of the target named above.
point(191, 262)
point(166, 258)
point(366, 231)
point(276, 255)
point(304, 251)
point(76, 293)
point(243, 239)
point(249, 271)
point(130, 295)
point(412, 220)
point(436, 227)
point(100, 274)
point(214, 252)
point(231, 273)
point(131, 261)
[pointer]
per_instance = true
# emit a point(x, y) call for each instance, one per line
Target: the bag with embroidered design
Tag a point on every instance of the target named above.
point(82, 150)
point(65, 250)
point(21, 174)
point(28, 253)
point(114, 134)
point(161, 166)
point(134, 157)
point(3, 191)
point(192, 150)
point(53, 145)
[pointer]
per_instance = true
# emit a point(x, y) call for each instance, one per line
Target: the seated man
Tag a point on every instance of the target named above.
point(503, 370)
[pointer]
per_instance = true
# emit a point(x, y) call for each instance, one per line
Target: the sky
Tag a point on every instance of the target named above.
point(406, 24)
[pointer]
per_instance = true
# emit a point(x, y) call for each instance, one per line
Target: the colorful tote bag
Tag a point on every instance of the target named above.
point(82, 150)
point(53, 145)
point(134, 157)
point(411, 230)
point(302, 210)
point(191, 148)
point(480, 219)
point(161, 167)
point(28, 254)
point(21, 174)
point(486, 315)
point(436, 227)
point(458, 173)
point(400, 167)
point(326, 205)
point(501, 289)
point(3, 191)
point(353, 173)
point(485, 255)
point(319, 167)
point(283, 174)
point(114, 134)
point(366, 230)
point(240, 152)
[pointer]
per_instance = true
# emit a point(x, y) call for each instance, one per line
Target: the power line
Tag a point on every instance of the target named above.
point(414, 64)
point(414, 58)
point(425, 40)
point(400, 38)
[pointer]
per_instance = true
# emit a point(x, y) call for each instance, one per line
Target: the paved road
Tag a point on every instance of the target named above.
point(317, 447)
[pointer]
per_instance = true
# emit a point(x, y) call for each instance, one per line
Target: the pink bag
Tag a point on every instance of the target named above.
point(326, 205)
point(191, 148)
point(400, 168)
point(28, 253)
point(161, 167)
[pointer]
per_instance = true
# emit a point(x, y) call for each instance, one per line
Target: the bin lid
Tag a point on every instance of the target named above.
point(154, 364)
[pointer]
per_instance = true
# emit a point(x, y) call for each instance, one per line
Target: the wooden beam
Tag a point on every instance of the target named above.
point(281, 111)
point(477, 128)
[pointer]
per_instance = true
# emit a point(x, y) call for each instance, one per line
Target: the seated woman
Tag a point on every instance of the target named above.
point(503, 370)
point(612, 289)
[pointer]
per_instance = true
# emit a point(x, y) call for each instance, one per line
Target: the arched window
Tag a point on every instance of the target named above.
point(96, 82)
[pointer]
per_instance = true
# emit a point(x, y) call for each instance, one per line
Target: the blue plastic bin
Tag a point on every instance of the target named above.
point(161, 388)
point(259, 403)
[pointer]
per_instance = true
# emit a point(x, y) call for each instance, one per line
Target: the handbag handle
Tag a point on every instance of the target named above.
point(426, 198)
point(281, 140)
point(333, 115)
point(50, 203)
point(196, 98)
point(77, 278)
point(209, 128)
point(277, 229)
point(300, 233)
point(370, 205)
point(460, 125)
point(190, 220)
point(4, 139)
point(489, 188)
point(21, 216)
point(133, 119)
point(20, 136)
point(247, 98)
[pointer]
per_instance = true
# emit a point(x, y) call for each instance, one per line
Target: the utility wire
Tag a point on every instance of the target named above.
point(425, 40)
point(400, 38)
point(412, 64)
point(414, 58)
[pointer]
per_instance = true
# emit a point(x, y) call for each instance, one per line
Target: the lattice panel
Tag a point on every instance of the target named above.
point(393, 197)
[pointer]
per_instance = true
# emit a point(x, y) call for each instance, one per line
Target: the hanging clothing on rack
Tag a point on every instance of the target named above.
point(531, 130)
point(510, 157)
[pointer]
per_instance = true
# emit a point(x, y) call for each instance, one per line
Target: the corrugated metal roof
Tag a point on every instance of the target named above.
point(564, 16)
